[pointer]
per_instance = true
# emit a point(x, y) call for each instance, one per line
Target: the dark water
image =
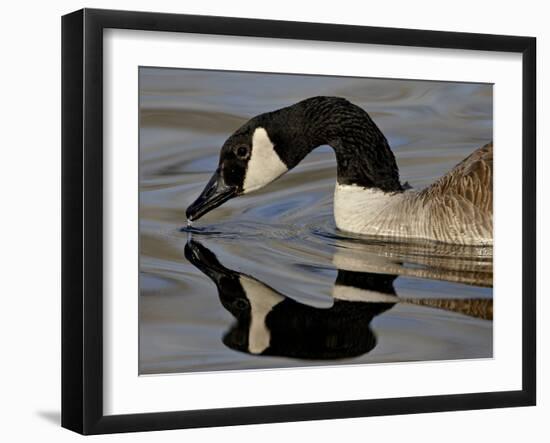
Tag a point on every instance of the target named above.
point(394, 302)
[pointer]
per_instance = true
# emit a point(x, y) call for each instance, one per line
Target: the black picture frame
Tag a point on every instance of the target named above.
point(82, 220)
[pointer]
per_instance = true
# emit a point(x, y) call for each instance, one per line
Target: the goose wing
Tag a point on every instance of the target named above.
point(458, 207)
point(471, 181)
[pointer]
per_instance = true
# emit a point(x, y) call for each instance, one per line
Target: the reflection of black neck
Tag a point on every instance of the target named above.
point(363, 155)
point(295, 329)
point(370, 281)
point(306, 332)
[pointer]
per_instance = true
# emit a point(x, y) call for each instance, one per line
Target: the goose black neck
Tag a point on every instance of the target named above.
point(363, 155)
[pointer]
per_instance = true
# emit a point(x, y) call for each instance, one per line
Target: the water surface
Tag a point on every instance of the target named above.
point(434, 301)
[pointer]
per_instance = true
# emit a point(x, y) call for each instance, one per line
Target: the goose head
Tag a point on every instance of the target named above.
point(270, 144)
point(253, 156)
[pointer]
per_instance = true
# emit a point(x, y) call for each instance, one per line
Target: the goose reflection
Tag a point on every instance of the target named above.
point(270, 323)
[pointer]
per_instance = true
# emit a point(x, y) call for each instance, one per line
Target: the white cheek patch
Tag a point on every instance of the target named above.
point(264, 164)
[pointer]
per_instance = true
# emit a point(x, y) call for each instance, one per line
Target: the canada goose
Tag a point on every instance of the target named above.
point(369, 197)
point(270, 323)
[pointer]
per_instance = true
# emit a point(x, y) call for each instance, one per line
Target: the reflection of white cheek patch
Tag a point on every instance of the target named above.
point(264, 165)
point(262, 301)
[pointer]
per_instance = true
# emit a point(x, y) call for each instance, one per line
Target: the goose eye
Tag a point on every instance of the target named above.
point(241, 152)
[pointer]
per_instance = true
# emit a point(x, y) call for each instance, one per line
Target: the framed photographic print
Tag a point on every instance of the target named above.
point(269, 221)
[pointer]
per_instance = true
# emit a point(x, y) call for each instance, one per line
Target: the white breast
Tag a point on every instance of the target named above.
point(359, 210)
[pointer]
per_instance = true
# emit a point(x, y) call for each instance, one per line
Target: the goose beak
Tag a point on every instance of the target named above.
point(214, 194)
